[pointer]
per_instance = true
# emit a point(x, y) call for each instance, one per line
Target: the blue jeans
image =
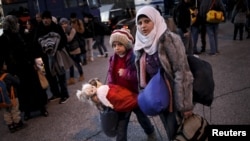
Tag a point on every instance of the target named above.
point(77, 60)
point(195, 35)
point(212, 31)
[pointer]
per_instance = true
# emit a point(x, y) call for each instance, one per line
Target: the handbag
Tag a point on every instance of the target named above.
point(43, 80)
point(194, 128)
point(214, 16)
point(155, 97)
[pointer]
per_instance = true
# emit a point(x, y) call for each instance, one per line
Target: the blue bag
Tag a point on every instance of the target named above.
point(4, 95)
point(155, 97)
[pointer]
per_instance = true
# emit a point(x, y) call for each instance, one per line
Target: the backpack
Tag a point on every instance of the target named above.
point(203, 84)
point(5, 100)
point(194, 128)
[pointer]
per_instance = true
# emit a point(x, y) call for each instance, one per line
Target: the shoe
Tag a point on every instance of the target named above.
point(100, 56)
point(152, 137)
point(63, 100)
point(12, 128)
point(81, 78)
point(27, 116)
point(44, 113)
point(19, 125)
point(211, 54)
point(71, 81)
point(106, 55)
point(53, 98)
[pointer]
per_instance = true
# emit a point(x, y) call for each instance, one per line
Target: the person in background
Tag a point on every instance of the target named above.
point(154, 50)
point(51, 40)
point(157, 7)
point(38, 18)
point(122, 72)
point(39, 97)
point(73, 49)
point(77, 24)
point(89, 35)
point(212, 28)
point(12, 114)
point(198, 27)
point(100, 31)
point(182, 18)
point(239, 18)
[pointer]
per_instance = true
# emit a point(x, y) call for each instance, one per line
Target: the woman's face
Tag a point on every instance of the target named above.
point(145, 25)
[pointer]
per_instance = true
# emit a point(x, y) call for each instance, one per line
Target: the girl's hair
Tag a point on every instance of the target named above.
point(141, 16)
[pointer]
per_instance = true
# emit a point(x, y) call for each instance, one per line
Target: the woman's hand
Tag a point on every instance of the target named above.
point(187, 114)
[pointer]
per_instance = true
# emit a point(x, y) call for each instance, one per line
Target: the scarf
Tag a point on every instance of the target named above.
point(149, 42)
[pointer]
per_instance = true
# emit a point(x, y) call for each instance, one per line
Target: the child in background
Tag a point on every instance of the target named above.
point(122, 72)
point(12, 115)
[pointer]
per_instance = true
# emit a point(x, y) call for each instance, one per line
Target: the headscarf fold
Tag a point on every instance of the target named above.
point(149, 42)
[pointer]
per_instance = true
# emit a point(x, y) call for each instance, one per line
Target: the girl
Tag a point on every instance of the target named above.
point(122, 72)
point(153, 50)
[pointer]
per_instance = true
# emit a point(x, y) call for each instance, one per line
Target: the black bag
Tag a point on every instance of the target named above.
point(109, 120)
point(203, 85)
point(194, 128)
point(81, 41)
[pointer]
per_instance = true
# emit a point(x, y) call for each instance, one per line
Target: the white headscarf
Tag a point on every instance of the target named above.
point(149, 42)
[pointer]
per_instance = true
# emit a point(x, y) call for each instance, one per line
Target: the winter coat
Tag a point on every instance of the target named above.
point(130, 80)
point(174, 62)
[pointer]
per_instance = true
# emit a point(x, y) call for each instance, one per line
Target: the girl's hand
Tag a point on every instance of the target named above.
point(121, 72)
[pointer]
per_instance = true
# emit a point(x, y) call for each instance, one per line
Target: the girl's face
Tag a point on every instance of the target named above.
point(119, 48)
point(145, 25)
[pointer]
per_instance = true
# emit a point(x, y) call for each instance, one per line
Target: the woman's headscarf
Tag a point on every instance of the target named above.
point(149, 42)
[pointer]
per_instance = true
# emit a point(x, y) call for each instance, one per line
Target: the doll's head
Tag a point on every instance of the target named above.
point(88, 93)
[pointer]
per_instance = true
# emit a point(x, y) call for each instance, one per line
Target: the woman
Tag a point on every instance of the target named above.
point(154, 50)
point(18, 56)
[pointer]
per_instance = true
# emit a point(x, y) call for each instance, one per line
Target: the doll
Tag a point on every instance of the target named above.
point(114, 96)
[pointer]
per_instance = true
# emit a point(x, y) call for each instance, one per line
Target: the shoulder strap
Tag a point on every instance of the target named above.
point(212, 5)
point(3, 76)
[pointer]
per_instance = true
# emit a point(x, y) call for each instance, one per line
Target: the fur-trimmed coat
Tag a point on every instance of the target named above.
point(174, 62)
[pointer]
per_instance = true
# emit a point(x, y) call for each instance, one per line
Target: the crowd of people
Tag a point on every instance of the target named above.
point(65, 44)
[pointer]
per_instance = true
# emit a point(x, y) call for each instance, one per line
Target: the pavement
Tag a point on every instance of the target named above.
point(78, 121)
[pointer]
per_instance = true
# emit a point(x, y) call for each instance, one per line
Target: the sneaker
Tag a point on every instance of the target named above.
point(63, 100)
point(152, 137)
point(12, 128)
point(100, 56)
point(53, 98)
